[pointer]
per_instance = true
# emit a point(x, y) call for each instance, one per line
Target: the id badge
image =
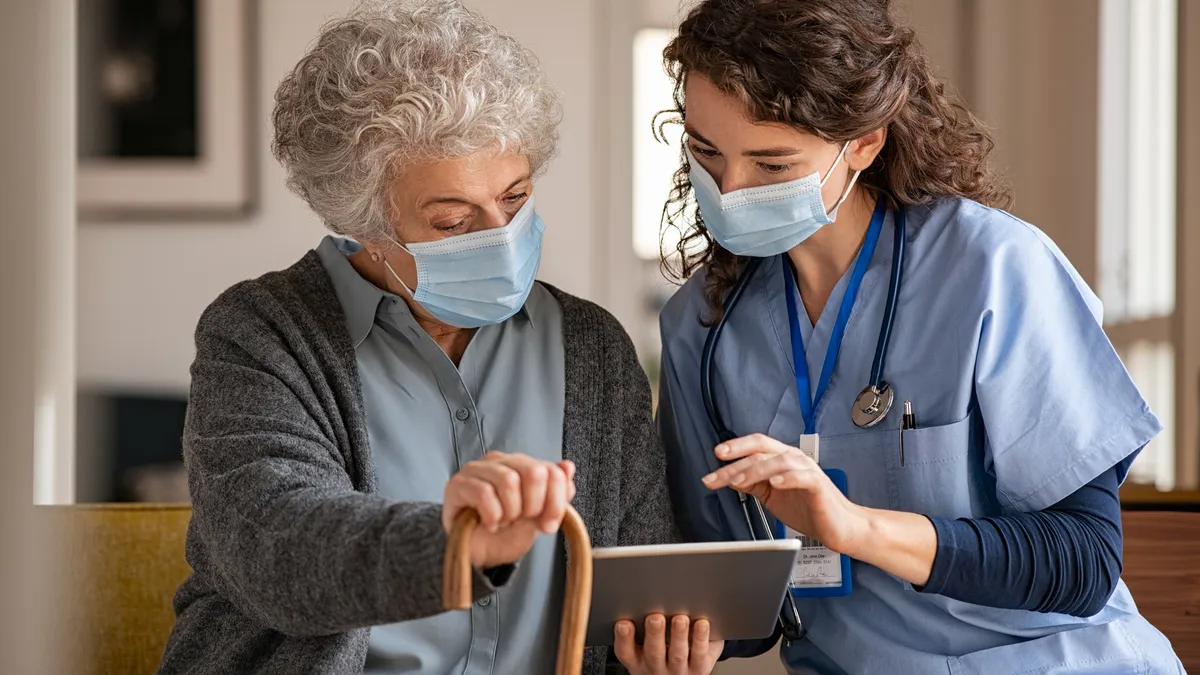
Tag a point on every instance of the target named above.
point(819, 572)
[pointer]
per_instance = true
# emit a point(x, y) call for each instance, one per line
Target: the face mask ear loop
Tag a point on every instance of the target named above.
point(832, 213)
point(388, 265)
point(835, 163)
point(841, 200)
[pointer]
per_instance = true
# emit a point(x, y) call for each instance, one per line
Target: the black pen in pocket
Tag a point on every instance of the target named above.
point(907, 423)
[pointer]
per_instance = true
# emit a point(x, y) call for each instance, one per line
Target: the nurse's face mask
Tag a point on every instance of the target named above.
point(765, 220)
point(479, 278)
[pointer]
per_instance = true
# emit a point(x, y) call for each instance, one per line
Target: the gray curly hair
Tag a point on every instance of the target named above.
point(397, 81)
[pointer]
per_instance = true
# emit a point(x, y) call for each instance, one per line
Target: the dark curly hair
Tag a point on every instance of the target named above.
point(838, 69)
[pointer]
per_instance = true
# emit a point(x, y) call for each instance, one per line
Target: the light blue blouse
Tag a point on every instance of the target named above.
point(1019, 399)
point(425, 419)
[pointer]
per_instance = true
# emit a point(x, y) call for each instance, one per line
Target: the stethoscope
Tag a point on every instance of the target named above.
point(869, 409)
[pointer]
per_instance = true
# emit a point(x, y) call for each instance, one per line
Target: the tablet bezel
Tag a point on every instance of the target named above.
point(648, 550)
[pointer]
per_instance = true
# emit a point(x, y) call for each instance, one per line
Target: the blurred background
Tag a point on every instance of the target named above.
point(179, 197)
point(138, 185)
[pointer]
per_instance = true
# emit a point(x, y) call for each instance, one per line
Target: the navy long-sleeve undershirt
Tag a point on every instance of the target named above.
point(1065, 559)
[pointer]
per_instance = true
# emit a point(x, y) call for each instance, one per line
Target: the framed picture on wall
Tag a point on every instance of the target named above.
point(164, 108)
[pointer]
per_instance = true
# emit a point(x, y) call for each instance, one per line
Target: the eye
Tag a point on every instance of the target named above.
point(516, 198)
point(707, 153)
point(451, 227)
point(774, 168)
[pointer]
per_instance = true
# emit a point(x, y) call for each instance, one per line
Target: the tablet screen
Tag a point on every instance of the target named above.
point(737, 586)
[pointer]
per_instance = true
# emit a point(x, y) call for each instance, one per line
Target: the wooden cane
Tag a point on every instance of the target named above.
point(577, 601)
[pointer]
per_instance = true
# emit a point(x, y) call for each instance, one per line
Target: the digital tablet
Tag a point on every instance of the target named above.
point(738, 587)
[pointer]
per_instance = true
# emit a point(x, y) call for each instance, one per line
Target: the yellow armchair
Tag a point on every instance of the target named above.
point(119, 566)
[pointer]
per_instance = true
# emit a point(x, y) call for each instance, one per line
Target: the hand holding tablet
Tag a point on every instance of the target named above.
point(681, 649)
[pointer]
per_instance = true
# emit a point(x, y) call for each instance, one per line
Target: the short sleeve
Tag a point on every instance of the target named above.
point(1058, 405)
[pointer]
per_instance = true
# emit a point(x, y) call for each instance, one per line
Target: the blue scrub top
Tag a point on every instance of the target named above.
point(1019, 400)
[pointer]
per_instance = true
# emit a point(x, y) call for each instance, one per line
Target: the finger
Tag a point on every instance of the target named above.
point(654, 646)
point(802, 479)
point(700, 645)
point(569, 468)
point(467, 491)
point(677, 650)
point(777, 470)
point(733, 474)
point(624, 645)
point(504, 480)
point(555, 506)
point(534, 476)
point(750, 445)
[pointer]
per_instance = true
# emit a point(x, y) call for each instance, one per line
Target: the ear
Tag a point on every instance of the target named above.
point(865, 149)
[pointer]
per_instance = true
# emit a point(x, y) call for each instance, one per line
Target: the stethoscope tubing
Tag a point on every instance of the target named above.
point(710, 346)
point(893, 297)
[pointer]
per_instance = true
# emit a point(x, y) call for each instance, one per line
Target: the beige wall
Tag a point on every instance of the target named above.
point(1030, 70)
point(142, 285)
point(1187, 321)
point(37, 157)
point(1035, 78)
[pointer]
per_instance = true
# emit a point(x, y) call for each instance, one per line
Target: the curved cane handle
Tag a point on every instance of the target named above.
point(577, 600)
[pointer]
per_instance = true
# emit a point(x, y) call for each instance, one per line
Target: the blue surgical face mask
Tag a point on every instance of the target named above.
point(479, 278)
point(766, 220)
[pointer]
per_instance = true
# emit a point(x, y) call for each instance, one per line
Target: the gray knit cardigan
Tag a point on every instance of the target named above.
point(294, 555)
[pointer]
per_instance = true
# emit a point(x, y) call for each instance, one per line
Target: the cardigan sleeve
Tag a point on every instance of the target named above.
point(646, 513)
point(278, 525)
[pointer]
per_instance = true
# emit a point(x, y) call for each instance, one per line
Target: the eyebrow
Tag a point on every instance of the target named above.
point(780, 151)
point(460, 200)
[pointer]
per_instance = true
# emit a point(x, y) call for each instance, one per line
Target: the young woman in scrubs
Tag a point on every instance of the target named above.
point(987, 538)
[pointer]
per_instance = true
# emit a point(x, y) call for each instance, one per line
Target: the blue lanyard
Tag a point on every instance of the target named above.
point(808, 402)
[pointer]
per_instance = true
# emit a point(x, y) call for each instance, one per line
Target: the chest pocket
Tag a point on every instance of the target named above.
point(861, 456)
point(943, 472)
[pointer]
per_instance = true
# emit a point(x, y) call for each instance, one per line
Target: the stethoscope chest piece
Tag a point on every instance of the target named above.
point(872, 405)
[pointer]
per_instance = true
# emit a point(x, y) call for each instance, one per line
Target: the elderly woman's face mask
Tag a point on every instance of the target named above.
point(478, 278)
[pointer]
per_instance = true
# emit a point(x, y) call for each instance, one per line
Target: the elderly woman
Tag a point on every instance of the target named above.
point(345, 409)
